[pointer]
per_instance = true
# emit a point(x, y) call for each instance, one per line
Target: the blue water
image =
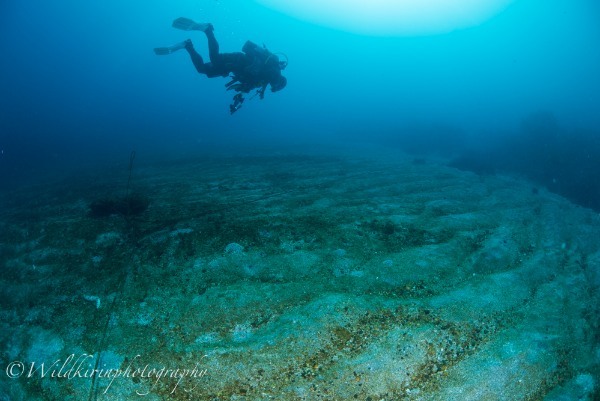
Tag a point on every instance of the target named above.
point(80, 85)
point(314, 268)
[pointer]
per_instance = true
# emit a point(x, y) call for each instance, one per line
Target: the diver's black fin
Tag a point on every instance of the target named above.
point(163, 51)
point(186, 24)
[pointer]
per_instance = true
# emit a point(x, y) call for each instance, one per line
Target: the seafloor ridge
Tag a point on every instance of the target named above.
point(299, 277)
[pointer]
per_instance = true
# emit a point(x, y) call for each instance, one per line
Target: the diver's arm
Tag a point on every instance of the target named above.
point(261, 91)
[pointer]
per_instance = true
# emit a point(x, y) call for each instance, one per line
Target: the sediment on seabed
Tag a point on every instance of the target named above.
point(301, 277)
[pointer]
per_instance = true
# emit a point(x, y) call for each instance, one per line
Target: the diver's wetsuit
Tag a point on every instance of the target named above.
point(254, 68)
point(221, 64)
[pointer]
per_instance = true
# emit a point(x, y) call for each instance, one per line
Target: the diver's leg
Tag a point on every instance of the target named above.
point(213, 45)
point(196, 57)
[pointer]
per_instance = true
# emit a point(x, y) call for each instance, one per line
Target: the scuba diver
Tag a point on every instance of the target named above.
point(253, 68)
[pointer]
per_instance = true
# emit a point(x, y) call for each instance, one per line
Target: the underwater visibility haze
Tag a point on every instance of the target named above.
point(414, 216)
point(80, 81)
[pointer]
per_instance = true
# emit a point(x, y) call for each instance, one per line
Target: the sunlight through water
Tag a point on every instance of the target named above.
point(391, 17)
